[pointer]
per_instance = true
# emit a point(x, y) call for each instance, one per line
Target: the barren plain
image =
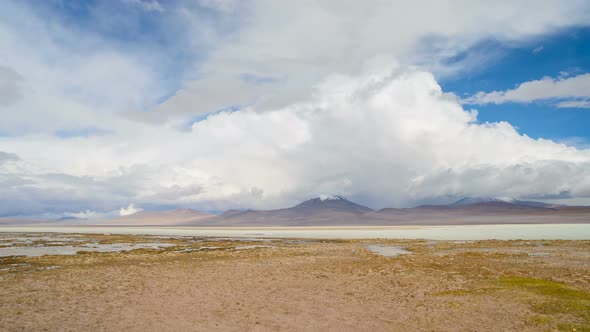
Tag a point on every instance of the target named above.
point(193, 284)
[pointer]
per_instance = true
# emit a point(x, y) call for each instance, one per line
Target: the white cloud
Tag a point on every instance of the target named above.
point(224, 6)
point(53, 77)
point(87, 214)
point(10, 86)
point(574, 104)
point(335, 117)
point(8, 157)
point(388, 137)
point(274, 40)
point(543, 89)
point(150, 6)
point(131, 209)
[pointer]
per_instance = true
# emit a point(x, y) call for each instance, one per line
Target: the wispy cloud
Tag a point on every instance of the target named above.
point(129, 210)
point(148, 5)
point(543, 89)
point(538, 49)
point(574, 104)
point(81, 132)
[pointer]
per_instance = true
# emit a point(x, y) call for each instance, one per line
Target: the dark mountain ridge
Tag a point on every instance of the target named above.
point(339, 211)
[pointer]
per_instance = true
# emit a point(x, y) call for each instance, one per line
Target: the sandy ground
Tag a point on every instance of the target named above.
point(300, 285)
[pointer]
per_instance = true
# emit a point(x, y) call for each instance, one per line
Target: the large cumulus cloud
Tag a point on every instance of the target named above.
point(388, 137)
point(91, 123)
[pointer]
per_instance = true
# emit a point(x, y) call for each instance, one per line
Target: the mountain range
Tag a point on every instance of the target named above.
point(339, 211)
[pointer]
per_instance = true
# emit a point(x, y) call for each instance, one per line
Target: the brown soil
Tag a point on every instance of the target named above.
point(329, 285)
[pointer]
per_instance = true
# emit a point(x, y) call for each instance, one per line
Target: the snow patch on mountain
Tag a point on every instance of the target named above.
point(323, 197)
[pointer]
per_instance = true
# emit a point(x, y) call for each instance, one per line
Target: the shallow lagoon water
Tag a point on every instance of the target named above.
point(387, 251)
point(463, 232)
point(72, 250)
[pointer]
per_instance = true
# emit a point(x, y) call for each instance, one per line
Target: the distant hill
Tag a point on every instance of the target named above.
point(338, 211)
point(325, 210)
point(321, 204)
point(14, 221)
point(470, 207)
point(156, 218)
point(488, 200)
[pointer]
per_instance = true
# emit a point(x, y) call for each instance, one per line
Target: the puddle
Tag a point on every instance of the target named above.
point(36, 251)
point(48, 240)
point(207, 248)
point(211, 248)
point(387, 251)
point(49, 268)
point(222, 248)
point(239, 239)
point(187, 250)
point(40, 244)
point(300, 241)
point(491, 251)
point(251, 247)
point(11, 267)
point(462, 242)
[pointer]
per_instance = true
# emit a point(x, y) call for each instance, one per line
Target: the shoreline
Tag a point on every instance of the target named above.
point(437, 232)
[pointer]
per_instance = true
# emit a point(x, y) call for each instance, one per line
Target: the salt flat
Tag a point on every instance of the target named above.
point(451, 232)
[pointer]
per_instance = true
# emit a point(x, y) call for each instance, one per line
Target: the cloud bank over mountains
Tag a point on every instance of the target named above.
point(268, 116)
point(389, 137)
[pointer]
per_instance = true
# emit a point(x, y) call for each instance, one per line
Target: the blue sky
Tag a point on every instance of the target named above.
point(563, 51)
point(109, 107)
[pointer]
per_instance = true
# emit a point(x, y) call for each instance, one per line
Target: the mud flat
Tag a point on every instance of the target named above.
point(196, 283)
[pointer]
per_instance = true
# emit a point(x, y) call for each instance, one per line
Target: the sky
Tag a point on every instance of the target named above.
point(116, 106)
